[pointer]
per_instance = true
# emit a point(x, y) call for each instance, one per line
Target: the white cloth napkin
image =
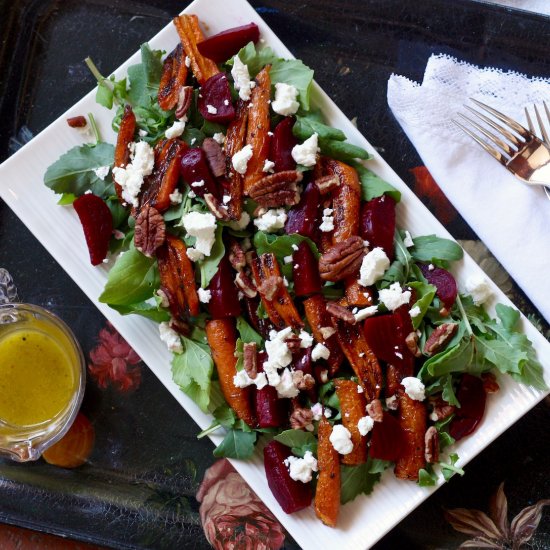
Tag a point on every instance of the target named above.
point(512, 219)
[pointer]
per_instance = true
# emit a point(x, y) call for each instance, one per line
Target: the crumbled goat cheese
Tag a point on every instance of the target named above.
point(287, 259)
point(278, 354)
point(102, 172)
point(295, 247)
point(285, 99)
point(301, 469)
point(199, 183)
point(191, 194)
point(365, 425)
point(240, 159)
point(391, 402)
point(320, 351)
point(175, 130)
point(306, 153)
point(286, 387)
point(272, 220)
point(415, 312)
point(194, 255)
point(226, 199)
point(226, 102)
point(360, 389)
point(362, 314)
point(203, 228)
point(187, 61)
point(431, 267)
point(478, 287)
point(176, 197)
point(328, 221)
point(317, 411)
point(414, 388)
point(394, 296)
point(143, 133)
point(241, 78)
point(373, 267)
point(268, 166)
point(219, 138)
point(327, 332)
point(306, 340)
point(407, 241)
point(170, 337)
point(163, 298)
point(212, 110)
point(241, 223)
point(204, 295)
point(341, 439)
point(242, 380)
point(131, 177)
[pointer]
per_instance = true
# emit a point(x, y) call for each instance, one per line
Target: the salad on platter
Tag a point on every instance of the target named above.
point(267, 251)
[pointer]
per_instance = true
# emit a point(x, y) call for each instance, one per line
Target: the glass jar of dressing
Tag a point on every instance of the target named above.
point(42, 379)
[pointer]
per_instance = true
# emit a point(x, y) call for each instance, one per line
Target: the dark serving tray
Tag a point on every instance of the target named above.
point(138, 488)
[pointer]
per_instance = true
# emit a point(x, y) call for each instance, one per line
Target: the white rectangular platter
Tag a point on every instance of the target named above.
point(366, 519)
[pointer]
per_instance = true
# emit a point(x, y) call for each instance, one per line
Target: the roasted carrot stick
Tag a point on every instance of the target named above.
point(353, 406)
point(124, 138)
point(174, 75)
point(327, 495)
point(357, 295)
point(258, 128)
point(222, 338)
point(190, 35)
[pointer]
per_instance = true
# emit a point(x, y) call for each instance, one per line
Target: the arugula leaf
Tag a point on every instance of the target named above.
point(192, 372)
point(425, 293)
point(74, 172)
point(373, 186)
point(247, 333)
point(445, 385)
point(430, 247)
point(342, 150)
point(509, 317)
point(309, 124)
point(281, 245)
point(427, 477)
point(109, 90)
point(442, 427)
point(454, 359)
point(133, 279)
point(295, 73)
point(236, 444)
point(356, 480)
point(255, 59)
point(119, 212)
point(299, 441)
point(401, 267)
point(144, 309)
point(145, 77)
point(66, 198)
point(209, 265)
point(448, 469)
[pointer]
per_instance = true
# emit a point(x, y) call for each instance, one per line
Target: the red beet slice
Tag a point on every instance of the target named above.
point(472, 398)
point(387, 439)
point(303, 218)
point(282, 142)
point(305, 271)
point(291, 495)
point(194, 168)
point(377, 223)
point(271, 411)
point(263, 326)
point(444, 283)
point(301, 360)
point(226, 44)
point(97, 222)
point(214, 102)
point(224, 301)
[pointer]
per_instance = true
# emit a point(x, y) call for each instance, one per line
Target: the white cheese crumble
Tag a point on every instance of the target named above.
point(170, 337)
point(317, 411)
point(478, 287)
point(295, 247)
point(226, 199)
point(286, 387)
point(131, 177)
point(203, 228)
point(204, 295)
point(306, 153)
point(391, 402)
point(268, 166)
point(407, 241)
point(272, 220)
point(163, 298)
point(287, 259)
point(240, 159)
point(414, 388)
point(365, 425)
point(241, 78)
point(187, 61)
point(143, 133)
point(360, 389)
point(176, 197)
point(341, 439)
point(301, 469)
point(191, 194)
point(415, 312)
point(219, 138)
point(320, 351)
point(242, 380)
point(327, 332)
point(394, 296)
point(362, 314)
point(285, 99)
point(278, 354)
point(194, 255)
point(241, 223)
point(431, 267)
point(373, 267)
point(328, 221)
point(306, 340)
point(102, 172)
point(175, 130)
point(199, 183)
point(212, 110)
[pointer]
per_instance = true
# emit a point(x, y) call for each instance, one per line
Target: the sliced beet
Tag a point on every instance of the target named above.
point(282, 143)
point(305, 271)
point(224, 300)
point(303, 218)
point(443, 281)
point(263, 326)
point(377, 223)
point(97, 222)
point(214, 102)
point(472, 398)
point(301, 360)
point(194, 169)
point(387, 439)
point(291, 495)
point(220, 47)
point(271, 411)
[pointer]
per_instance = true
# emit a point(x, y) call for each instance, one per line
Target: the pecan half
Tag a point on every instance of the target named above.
point(243, 281)
point(303, 381)
point(184, 101)
point(237, 257)
point(439, 337)
point(342, 260)
point(431, 445)
point(327, 183)
point(490, 384)
point(150, 231)
point(250, 359)
point(340, 312)
point(216, 207)
point(77, 122)
point(270, 286)
point(277, 189)
point(441, 409)
point(412, 343)
point(300, 418)
point(375, 410)
point(214, 156)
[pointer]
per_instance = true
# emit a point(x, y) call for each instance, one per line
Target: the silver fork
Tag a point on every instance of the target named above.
point(517, 149)
point(543, 131)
